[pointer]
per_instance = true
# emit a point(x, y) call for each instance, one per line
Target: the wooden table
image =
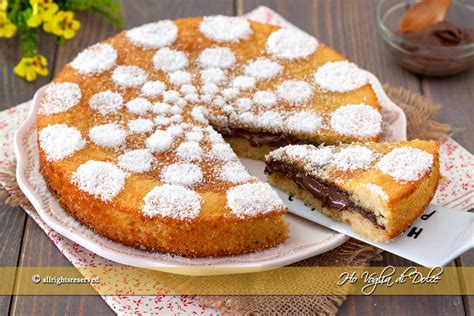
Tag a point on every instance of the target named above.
point(348, 26)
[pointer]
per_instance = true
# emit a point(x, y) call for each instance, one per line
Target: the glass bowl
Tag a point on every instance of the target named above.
point(425, 59)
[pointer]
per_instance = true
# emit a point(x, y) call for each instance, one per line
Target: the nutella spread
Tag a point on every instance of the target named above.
point(442, 34)
point(329, 195)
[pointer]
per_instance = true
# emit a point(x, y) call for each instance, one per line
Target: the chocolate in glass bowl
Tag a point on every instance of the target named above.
point(444, 49)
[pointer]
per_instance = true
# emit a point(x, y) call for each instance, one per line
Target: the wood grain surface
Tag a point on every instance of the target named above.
point(348, 26)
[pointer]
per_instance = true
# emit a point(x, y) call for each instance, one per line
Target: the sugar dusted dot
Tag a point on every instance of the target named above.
point(234, 172)
point(291, 44)
point(213, 75)
point(60, 97)
point(247, 119)
point(311, 156)
point(303, 122)
point(230, 93)
point(108, 135)
point(167, 59)
point(377, 190)
point(140, 126)
point(295, 91)
point(223, 152)
point(153, 88)
point(185, 174)
point(171, 96)
point(217, 57)
point(225, 28)
point(243, 104)
point(253, 199)
point(265, 98)
point(60, 141)
point(175, 130)
point(210, 89)
point(270, 120)
point(139, 161)
point(188, 89)
point(95, 59)
point(353, 157)
point(199, 114)
point(180, 77)
point(177, 118)
point(100, 179)
point(162, 120)
point(195, 135)
point(129, 76)
point(106, 102)
point(358, 120)
point(244, 83)
point(159, 141)
point(172, 201)
point(262, 69)
point(213, 136)
point(340, 76)
point(139, 106)
point(406, 163)
point(189, 151)
point(161, 108)
point(154, 35)
point(175, 109)
point(319, 156)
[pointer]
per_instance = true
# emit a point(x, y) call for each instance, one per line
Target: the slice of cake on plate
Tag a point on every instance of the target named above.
point(379, 189)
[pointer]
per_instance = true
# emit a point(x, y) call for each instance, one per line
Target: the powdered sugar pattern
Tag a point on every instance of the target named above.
point(101, 179)
point(154, 35)
point(129, 76)
point(60, 141)
point(353, 158)
point(106, 102)
point(406, 163)
point(225, 29)
point(291, 44)
point(173, 201)
point(234, 172)
point(185, 174)
point(95, 59)
point(60, 97)
point(253, 199)
point(340, 76)
point(358, 120)
point(108, 135)
point(167, 59)
point(139, 160)
point(217, 57)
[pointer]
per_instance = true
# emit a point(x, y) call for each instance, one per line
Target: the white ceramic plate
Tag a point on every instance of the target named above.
point(307, 239)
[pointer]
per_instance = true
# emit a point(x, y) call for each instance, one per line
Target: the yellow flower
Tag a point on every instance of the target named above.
point(29, 67)
point(43, 11)
point(62, 24)
point(7, 28)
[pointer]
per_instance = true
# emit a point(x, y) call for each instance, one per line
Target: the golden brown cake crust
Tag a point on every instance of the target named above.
point(216, 230)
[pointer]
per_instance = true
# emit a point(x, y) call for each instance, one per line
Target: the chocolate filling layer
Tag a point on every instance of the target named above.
point(329, 195)
point(260, 139)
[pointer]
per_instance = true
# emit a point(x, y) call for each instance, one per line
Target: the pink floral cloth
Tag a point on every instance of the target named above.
point(457, 165)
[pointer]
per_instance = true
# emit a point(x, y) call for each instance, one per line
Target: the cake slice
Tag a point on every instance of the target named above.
point(380, 189)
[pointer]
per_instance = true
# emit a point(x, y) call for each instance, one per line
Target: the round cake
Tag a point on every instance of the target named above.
point(139, 136)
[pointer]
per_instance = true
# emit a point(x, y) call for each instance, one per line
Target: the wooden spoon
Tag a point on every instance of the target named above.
point(424, 14)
